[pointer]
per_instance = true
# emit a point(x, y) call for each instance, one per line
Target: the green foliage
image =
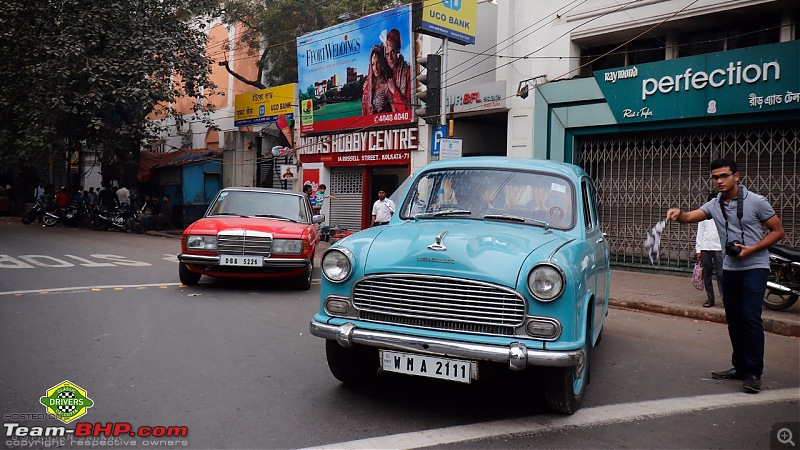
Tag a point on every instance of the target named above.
point(85, 74)
point(277, 23)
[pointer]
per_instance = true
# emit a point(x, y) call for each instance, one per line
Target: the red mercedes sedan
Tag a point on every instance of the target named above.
point(252, 233)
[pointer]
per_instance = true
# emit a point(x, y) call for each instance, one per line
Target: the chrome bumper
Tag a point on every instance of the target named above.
point(206, 260)
point(516, 355)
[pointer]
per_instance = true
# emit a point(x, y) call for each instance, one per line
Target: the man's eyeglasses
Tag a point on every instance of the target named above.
point(722, 176)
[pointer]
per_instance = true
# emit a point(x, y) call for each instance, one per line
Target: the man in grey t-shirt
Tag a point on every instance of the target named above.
point(745, 265)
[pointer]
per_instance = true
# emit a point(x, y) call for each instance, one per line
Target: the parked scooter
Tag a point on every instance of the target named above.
point(783, 285)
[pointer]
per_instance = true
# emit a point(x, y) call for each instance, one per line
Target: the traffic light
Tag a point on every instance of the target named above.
point(432, 79)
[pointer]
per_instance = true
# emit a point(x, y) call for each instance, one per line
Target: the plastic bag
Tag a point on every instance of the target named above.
point(697, 277)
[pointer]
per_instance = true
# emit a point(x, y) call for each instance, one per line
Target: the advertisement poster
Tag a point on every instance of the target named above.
point(311, 178)
point(358, 74)
point(288, 172)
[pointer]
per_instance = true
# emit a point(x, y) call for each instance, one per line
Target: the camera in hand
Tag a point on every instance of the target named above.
point(731, 249)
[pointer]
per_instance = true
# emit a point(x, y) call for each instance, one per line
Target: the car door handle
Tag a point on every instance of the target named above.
point(599, 240)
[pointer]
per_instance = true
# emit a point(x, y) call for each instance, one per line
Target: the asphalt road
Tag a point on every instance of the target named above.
point(234, 363)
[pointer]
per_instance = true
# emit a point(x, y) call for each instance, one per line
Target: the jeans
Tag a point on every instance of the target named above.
point(712, 265)
point(743, 291)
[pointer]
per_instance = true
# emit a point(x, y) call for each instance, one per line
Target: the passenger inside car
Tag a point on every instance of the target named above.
point(446, 198)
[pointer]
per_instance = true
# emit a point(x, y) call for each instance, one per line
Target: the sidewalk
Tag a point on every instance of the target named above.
point(675, 295)
point(662, 294)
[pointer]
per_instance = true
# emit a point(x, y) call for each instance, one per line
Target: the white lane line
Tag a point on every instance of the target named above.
point(599, 415)
point(86, 288)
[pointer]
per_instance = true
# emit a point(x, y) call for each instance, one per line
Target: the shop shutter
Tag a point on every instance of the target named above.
point(346, 185)
point(641, 175)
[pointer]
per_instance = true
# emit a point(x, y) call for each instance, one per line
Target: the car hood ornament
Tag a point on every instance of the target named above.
point(437, 245)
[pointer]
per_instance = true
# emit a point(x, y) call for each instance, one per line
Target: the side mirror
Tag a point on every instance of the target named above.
point(318, 218)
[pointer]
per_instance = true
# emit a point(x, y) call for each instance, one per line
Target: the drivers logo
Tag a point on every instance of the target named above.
point(66, 401)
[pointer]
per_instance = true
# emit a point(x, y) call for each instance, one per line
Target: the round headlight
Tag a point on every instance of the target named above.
point(545, 282)
point(336, 265)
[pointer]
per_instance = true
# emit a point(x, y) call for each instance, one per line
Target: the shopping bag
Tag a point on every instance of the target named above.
point(697, 277)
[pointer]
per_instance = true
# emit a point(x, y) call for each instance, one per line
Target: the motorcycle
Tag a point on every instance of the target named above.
point(76, 215)
point(120, 218)
point(37, 212)
point(783, 283)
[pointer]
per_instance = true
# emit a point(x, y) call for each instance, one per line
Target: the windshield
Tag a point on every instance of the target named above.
point(273, 205)
point(490, 194)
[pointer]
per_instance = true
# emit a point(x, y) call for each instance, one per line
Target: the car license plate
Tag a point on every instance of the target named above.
point(429, 366)
point(241, 260)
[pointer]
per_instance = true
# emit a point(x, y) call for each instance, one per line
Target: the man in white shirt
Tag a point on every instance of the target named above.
point(124, 195)
point(382, 209)
point(708, 252)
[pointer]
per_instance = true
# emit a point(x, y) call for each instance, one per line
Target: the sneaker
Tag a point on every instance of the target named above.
point(730, 374)
point(752, 384)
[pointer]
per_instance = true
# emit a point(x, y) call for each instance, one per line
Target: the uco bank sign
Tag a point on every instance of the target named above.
point(750, 80)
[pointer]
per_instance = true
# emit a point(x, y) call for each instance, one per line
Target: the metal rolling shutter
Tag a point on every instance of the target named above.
point(346, 185)
point(639, 176)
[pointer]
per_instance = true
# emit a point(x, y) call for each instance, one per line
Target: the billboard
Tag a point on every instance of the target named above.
point(264, 105)
point(453, 19)
point(357, 74)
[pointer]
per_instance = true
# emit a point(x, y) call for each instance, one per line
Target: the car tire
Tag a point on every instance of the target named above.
point(186, 276)
point(565, 386)
point(303, 282)
point(351, 366)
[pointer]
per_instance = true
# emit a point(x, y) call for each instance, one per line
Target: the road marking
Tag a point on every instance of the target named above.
point(599, 415)
point(90, 288)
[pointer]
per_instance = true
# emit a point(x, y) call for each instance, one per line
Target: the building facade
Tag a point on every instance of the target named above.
point(642, 94)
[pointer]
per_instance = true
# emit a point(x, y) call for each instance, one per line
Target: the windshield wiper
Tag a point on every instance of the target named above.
point(274, 216)
point(448, 212)
point(516, 219)
point(228, 214)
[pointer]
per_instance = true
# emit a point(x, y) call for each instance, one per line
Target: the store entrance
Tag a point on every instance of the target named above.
point(387, 178)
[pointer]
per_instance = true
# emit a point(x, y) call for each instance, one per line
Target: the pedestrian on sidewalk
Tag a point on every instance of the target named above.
point(382, 209)
point(740, 216)
point(708, 252)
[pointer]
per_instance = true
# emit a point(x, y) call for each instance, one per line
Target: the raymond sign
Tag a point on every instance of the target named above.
point(265, 105)
point(748, 80)
point(453, 19)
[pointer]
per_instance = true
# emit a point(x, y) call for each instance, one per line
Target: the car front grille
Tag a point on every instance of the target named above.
point(244, 245)
point(441, 303)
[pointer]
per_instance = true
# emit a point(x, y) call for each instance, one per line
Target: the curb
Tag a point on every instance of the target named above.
point(770, 325)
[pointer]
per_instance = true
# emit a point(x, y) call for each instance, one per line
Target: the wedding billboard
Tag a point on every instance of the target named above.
point(357, 74)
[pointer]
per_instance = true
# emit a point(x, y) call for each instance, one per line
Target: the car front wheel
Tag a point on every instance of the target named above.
point(351, 365)
point(566, 386)
point(186, 276)
point(303, 282)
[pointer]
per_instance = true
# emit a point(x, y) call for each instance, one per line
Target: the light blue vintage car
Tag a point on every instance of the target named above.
point(487, 260)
